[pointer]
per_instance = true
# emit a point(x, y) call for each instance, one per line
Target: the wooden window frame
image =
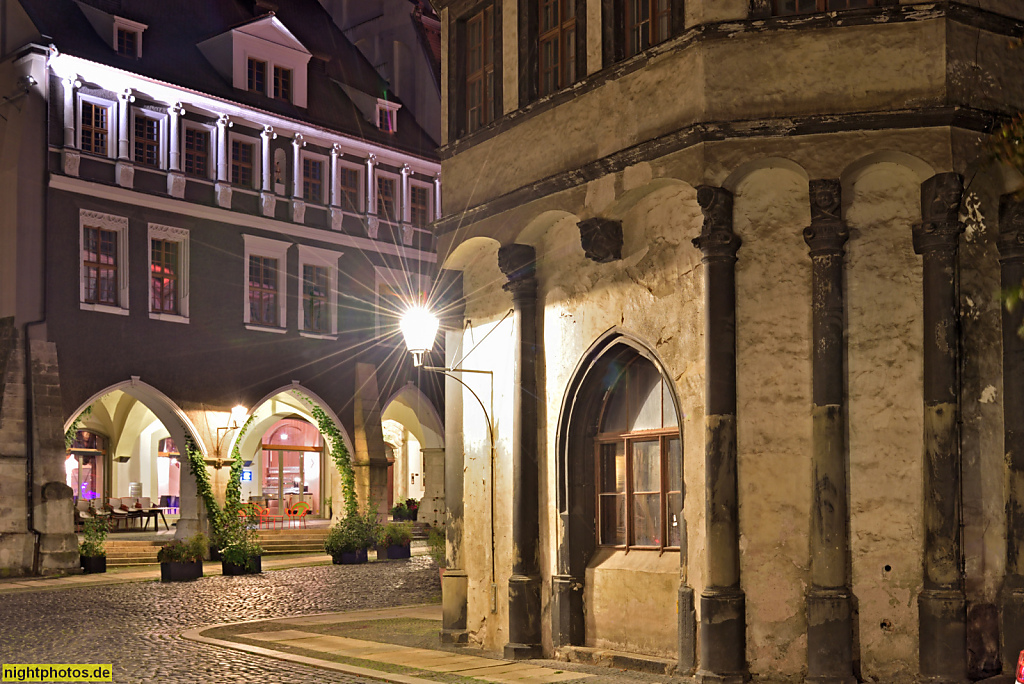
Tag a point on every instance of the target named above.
point(529, 49)
point(123, 48)
point(359, 191)
point(241, 166)
point(396, 215)
point(206, 154)
point(268, 249)
point(318, 257)
point(614, 40)
point(84, 102)
point(310, 184)
point(458, 75)
point(119, 224)
point(426, 207)
point(283, 83)
point(99, 266)
point(181, 237)
point(251, 75)
point(166, 256)
point(823, 6)
point(558, 36)
point(266, 265)
point(145, 144)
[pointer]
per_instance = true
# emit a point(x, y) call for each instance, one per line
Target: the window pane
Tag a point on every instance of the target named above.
point(668, 407)
point(613, 519)
point(674, 465)
point(646, 383)
point(613, 467)
point(647, 519)
point(674, 518)
point(647, 466)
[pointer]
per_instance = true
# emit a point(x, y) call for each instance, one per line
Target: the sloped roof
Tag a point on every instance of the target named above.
point(170, 54)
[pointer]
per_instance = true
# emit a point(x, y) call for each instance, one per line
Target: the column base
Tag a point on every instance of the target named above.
point(567, 627)
point(1011, 629)
point(723, 637)
point(942, 615)
point(687, 630)
point(829, 636)
point(454, 606)
point(523, 617)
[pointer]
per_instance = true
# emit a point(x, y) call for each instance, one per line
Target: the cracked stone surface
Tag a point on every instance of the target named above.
point(137, 626)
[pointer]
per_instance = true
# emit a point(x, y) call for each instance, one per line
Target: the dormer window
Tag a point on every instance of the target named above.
point(127, 42)
point(387, 116)
point(282, 84)
point(257, 81)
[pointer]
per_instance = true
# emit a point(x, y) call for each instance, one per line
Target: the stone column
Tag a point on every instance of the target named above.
point(372, 222)
point(519, 263)
point(829, 600)
point(124, 170)
point(175, 179)
point(223, 184)
point(337, 215)
point(722, 603)
point(1011, 261)
point(432, 505)
point(70, 155)
point(942, 605)
point(455, 582)
point(437, 196)
point(268, 201)
point(298, 205)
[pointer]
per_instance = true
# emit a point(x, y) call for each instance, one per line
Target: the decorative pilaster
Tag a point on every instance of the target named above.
point(1011, 263)
point(942, 604)
point(337, 215)
point(175, 178)
point(124, 170)
point(723, 626)
point(223, 185)
point(372, 222)
point(70, 155)
point(268, 201)
point(298, 205)
point(829, 600)
point(519, 264)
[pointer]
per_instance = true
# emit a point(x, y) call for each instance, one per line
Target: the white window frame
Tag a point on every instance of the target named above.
point(211, 170)
point(397, 219)
point(257, 159)
point(111, 121)
point(360, 170)
point(317, 256)
point(275, 249)
point(119, 225)
point(429, 187)
point(181, 236)
point(396, 279)
point(161, 118)
point(325, 185)
point(392, 109)
point(129, 25)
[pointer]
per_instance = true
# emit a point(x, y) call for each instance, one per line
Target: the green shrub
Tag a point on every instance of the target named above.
point(353, 532)
point(178, 551)
point(436, 540)
point(395, 534)
point(239, 543)
point(95, 535)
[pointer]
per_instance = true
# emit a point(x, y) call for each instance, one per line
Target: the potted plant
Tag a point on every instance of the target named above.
point(93, 555)
point(241, 553)
point(412, 507)
point(394, 541)
point(399, 511)
point(181, 561)
point(436, 541)
point(350, 537)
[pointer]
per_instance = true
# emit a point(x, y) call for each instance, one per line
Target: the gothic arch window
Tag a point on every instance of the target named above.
point(638, 456)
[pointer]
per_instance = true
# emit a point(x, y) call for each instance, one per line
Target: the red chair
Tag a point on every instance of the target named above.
point(299, 512)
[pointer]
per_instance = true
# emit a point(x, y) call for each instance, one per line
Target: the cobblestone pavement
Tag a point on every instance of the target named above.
point(136, 626)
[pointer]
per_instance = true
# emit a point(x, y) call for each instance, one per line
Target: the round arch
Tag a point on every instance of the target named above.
point(410, 407)
point(740, 173)
point(575, 489)
point(854, 171)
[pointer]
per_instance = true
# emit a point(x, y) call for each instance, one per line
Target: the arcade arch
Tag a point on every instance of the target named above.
point(415, 435)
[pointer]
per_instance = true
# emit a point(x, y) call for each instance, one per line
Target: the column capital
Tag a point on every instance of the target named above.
point(299, 140)
point(268, 133)
point(224, 121)
point(336, 149)
point(71, 82)
point(519, 264)
point(406, 170)
point(126, 96)
point(716, 238)
point(940, 227)
point(176, 109)
point(371, 159)
point(1011, 228)
point(827, 233)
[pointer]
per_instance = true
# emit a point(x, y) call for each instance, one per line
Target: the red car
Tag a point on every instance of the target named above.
point(1020, 668)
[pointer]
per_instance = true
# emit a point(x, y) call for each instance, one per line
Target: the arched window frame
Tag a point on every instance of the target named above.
point(624, 444)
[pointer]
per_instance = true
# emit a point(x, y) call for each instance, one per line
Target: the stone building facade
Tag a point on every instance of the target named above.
point(735, 270)
point(212, 212)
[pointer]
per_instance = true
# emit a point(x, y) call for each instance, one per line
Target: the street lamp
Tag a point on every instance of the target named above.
point(419, 327)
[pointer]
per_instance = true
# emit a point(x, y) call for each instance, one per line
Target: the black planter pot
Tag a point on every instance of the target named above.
point(93, 564)
point(181, 572)
point(354, 558)
point(394, 552)
point(228, 568)
point(214, 553)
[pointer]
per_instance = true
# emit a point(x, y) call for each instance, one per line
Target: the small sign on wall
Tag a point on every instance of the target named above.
point(246, 476)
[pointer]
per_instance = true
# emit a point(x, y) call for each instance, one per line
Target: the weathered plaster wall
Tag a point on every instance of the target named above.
point(773, 371)
point(884, 323)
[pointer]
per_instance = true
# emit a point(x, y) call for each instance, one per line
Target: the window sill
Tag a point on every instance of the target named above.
point(170, 318)
point(319, 336)
point(265, 328)
point(104, 308)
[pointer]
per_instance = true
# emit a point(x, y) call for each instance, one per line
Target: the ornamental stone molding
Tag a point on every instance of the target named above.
point(100, 220)
point(337, 216)
point(223, 191)
point(601, 239)
point(519, 264)
point(268, 204)
point(72, 160)
point(716, 238)
point(176, 184)
point(827, 233)
point(298, 211)
point(940, 227)
point(372, 227)
point(124, 171)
